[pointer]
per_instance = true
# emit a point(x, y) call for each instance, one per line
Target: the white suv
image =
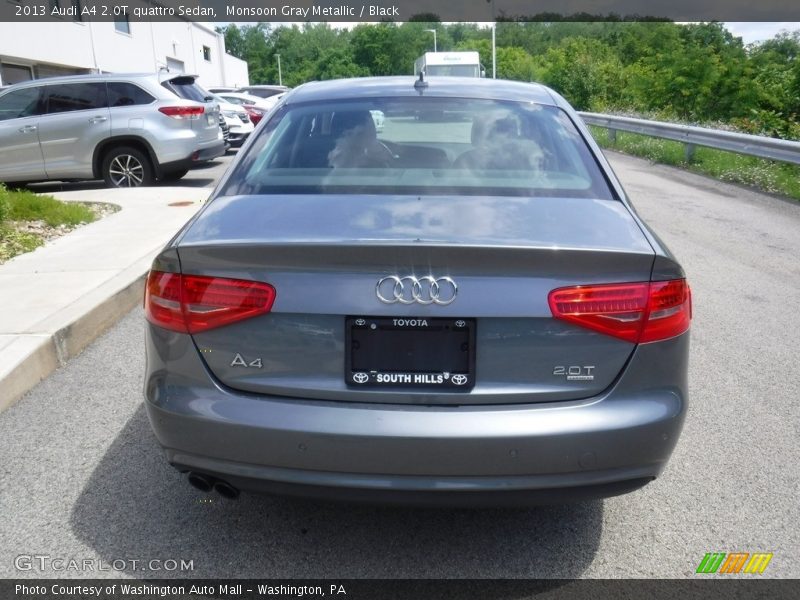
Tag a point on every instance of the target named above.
point(129, 130)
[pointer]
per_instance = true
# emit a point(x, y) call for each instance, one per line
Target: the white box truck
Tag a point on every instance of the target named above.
point(453, 64)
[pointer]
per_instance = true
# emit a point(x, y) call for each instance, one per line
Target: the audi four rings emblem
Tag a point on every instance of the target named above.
point(422, 290)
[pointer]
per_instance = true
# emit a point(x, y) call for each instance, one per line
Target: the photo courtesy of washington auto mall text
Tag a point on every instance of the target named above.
point(178, 590)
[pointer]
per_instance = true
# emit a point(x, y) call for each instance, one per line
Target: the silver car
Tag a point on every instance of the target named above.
point(462, 309)
point(263, 91)
point(129, 130)
point(237, 120)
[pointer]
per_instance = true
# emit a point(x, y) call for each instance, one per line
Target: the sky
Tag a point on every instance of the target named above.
point(749, 32)
point(757, 32)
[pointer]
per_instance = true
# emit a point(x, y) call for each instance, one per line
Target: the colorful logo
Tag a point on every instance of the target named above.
point(734, 562)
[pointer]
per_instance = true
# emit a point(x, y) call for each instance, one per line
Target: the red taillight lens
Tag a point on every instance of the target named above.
point(635, 312)
point(193, 303)
point(182, 112)
point(256, 114)
point(669, 312)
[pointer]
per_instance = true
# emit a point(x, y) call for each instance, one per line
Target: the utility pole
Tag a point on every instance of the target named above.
point(280, 75)
point(433, 31)
point(494, 43)
point(494, 47)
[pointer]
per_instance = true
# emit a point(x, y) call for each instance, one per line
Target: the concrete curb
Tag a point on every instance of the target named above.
point(59, 298)
point(55, 350)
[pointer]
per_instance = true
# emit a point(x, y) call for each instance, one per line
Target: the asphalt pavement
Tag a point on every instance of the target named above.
point(81, 475)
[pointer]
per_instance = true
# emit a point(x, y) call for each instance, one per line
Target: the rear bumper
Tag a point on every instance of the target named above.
point(517, 454)
point(199, 155)
point(418, 491)
point(209, 152)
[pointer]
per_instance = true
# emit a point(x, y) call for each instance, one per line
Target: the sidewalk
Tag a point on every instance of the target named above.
point(60, 297)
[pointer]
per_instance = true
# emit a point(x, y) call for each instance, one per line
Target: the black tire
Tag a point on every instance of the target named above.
point(173, 175)
point(127, 167)
point(16, 185)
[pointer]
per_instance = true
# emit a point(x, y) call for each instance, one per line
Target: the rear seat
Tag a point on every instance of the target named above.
point(423, 157)
point(313, 153)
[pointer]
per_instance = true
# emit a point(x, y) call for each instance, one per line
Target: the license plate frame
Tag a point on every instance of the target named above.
point(410, 353)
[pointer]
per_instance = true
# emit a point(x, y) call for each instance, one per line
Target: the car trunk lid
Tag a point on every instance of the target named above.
point(325, 255)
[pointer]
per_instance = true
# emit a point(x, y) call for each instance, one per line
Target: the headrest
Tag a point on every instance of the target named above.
point(345, 121)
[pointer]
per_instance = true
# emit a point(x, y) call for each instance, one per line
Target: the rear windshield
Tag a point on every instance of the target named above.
point(186, 88)
point(263, 92)
point(420, 146)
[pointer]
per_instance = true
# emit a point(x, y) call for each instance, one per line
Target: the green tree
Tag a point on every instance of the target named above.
point(234, 40)
point(337, 63)
point(585, 71)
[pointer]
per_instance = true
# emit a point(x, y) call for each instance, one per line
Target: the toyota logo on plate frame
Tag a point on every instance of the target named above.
point(423, 290)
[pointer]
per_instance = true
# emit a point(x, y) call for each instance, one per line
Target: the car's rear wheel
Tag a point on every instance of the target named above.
point(127, 167)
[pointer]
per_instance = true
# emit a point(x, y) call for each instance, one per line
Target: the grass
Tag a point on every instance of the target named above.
point(13, 242)
point(24, 205)
point(769, 176)
point(18, 206)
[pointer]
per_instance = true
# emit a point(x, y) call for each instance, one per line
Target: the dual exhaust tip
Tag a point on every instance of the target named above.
point(206, 484)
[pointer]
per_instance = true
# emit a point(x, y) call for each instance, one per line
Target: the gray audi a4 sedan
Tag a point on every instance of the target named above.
point(463, 309)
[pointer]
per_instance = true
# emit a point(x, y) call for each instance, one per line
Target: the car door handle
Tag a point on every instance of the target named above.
point(28, 129)
point(98, 119)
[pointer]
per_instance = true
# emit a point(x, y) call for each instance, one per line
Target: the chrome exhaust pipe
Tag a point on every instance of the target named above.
point(226, 490)
point(201, 482)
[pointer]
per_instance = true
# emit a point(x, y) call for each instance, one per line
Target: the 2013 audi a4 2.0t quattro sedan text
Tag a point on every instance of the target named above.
point(463, 308)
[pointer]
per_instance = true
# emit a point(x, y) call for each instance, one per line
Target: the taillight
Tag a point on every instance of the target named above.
point(193, 303)
point(635, 312)
point(254, 112)
point(182, 112)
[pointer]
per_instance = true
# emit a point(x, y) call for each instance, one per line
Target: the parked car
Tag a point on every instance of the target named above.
point(238, 121)
point(263, 91)
point(255, 106)
point(226, 132)
point(244, 99)
point(255, 114)
point(129, 130)
point(218, 90)
point(466, 312)
point(250, 100)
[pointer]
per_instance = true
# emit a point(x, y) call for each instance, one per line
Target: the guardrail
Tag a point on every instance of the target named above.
point(741, 143)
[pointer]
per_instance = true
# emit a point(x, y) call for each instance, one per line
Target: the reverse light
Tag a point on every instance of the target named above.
point(183, 112)
point(194, 303)
point(635, 312)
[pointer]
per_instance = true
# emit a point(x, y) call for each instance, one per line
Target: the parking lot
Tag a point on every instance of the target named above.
point(83, 477)
point(203, 175)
